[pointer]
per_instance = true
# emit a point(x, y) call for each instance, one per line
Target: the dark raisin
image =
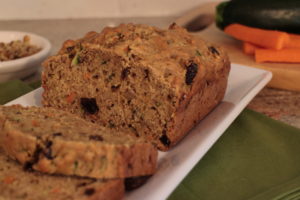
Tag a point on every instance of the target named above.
point(72, 55)
point(120, 36)
point(96, 137)
point(146, 74)
point(89, 191)
point(89, 105)
point(96, 76)
point(130, 166)
point(48, 143)
point(164, 139)
point(191, 72)
point(173, 25)
point(28, 166)
point(70, 49)
point(213, 50)
point(48, 151)
point(81, 184)
point(35, 158)
point(125, 72)
point(111, 124)
point(115, 87)
point(57, 134)
point(135, 182)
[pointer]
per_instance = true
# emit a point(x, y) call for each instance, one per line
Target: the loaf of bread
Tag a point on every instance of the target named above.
point(17, 184)
point(156, 84)
point(57, 142)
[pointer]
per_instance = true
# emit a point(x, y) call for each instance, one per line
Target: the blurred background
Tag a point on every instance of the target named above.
point(56, 9)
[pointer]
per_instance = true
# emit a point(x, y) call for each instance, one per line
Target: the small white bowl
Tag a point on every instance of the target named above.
point(22, 67)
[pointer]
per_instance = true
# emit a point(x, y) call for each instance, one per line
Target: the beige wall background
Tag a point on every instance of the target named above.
point(68, 9)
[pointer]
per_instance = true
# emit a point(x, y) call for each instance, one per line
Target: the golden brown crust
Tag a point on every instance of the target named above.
point(45, 151)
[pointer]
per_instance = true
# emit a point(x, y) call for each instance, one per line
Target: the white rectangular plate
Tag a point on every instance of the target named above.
point(244, 83)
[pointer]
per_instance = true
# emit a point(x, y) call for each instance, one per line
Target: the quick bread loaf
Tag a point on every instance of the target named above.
point(57, 142)
point(155, 84)
point(17, 184)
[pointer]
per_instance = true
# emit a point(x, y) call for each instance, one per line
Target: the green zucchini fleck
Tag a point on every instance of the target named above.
point(75, 60)
point(75, 166)
point(198, 53)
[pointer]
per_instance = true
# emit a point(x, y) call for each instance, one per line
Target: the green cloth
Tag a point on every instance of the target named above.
point(257, 158)
point(15, 88)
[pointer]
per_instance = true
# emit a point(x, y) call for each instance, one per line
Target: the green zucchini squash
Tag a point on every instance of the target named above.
point(282, 15)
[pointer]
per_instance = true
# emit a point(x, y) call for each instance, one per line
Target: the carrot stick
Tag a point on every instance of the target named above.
point(249, 48)
point(264, 38)
point(294, 36)
point(283, 55)
point(294, 41)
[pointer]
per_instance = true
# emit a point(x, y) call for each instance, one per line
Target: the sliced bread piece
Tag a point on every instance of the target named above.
point(58, 142)
point(17, 184)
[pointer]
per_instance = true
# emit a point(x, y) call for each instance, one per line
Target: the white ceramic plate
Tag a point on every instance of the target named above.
point(174, 165)
point(22, 67)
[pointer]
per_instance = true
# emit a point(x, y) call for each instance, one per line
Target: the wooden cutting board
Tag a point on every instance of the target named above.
point(285, 76)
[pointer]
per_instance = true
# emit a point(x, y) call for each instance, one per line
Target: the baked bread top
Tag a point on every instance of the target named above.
point(57, 142)
point(167, 52)
point(17, 184)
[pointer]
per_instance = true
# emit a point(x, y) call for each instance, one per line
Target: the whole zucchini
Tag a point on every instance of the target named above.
point(283, 15)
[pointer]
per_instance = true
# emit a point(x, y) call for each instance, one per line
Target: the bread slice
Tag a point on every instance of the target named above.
point(58, 142)
point(17, 184)
point(156, 84)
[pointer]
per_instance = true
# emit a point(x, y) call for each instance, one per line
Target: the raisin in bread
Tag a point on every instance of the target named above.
point(17, 184)
point(155, 83)
point(58, 142)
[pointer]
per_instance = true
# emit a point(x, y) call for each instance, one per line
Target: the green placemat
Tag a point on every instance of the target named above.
point(257, 158)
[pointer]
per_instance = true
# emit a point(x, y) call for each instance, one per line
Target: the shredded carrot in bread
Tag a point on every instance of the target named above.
point(55, 190)
point(9, 179)
point(35, 123)
point(71, 97)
